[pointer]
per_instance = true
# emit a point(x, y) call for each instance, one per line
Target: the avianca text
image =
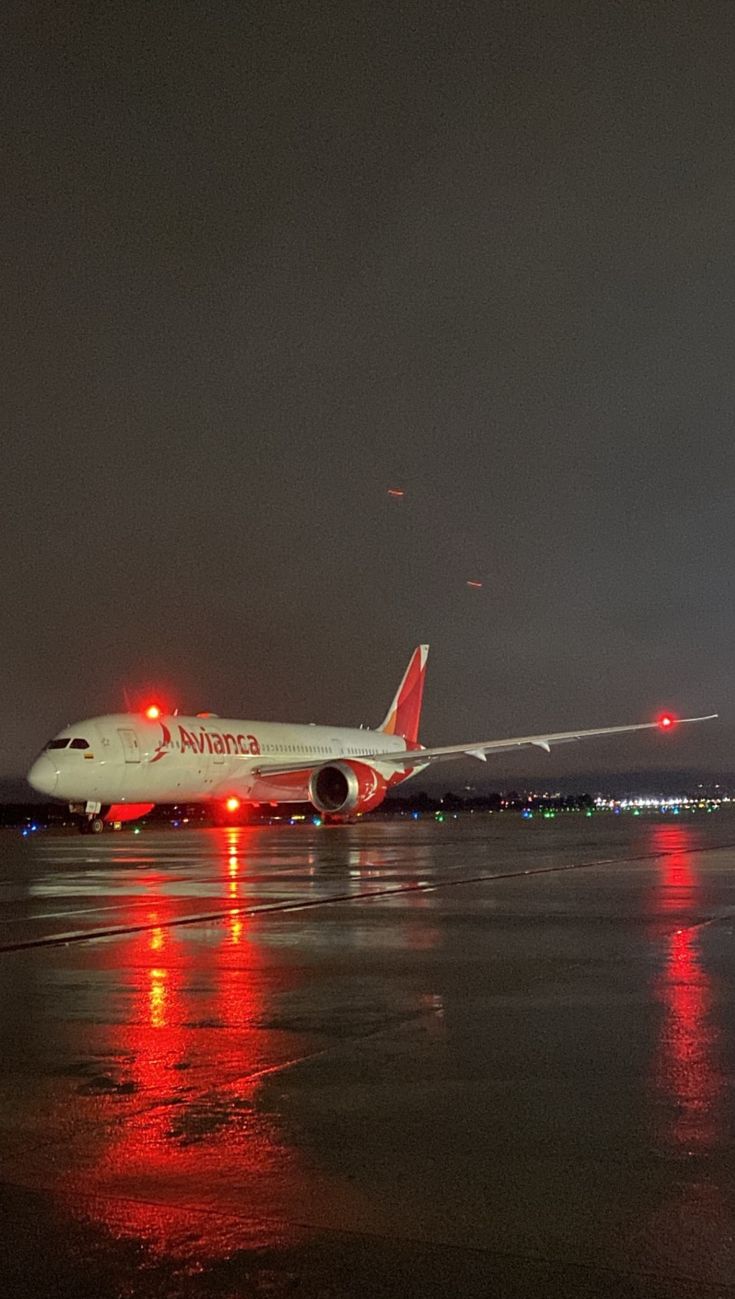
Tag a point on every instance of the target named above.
point(215, 742)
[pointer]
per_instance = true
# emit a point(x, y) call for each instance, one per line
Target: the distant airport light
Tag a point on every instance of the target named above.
point(152, 712)
point(666, 721)
point(232, 804)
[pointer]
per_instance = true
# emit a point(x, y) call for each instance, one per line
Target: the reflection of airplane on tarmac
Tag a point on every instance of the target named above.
point(117, 767)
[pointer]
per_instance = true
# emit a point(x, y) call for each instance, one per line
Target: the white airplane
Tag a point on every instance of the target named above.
point(116, 768)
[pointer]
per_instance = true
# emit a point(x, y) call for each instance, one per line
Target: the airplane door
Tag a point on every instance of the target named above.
point(129, 741)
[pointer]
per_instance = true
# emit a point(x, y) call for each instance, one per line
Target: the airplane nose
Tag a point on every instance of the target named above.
point(43, 776)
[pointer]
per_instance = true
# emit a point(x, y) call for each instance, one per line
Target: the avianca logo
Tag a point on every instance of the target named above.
point(163, 743)
point(215, 742)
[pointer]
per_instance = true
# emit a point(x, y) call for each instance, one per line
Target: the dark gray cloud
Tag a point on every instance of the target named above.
point(261, 262)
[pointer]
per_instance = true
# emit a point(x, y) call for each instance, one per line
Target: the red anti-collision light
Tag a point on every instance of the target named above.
point(153, 712)
point(232, 804)
point(666, 721)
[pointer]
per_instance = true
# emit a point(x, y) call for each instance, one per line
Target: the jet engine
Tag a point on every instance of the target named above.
point(341, 788)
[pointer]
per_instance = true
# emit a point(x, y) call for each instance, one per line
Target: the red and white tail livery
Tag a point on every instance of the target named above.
point(117, 767)
point(404, 715)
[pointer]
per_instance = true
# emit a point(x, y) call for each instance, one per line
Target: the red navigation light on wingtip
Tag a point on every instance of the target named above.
point(153, 712)
point(666, 721)
point(232, 804)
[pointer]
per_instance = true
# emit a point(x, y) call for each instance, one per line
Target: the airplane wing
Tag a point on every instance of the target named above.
point(421, 757)
point(476, 749)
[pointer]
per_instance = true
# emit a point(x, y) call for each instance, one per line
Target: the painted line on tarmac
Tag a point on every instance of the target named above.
point(286, 906)
point(283, 906)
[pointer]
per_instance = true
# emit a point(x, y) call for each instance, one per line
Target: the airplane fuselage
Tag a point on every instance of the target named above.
point(123, 758)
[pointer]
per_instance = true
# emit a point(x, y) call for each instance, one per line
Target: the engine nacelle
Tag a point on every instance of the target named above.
point(345, 787)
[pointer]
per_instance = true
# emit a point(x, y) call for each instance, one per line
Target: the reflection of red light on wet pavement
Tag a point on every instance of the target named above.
point(185, 1148)
point(190, 1130)
point(157, 939)
point(686, 1069)
point(690, 1217)
point(677, 885)
point(686, 1065)
point(157, 998)
point(179, 1123)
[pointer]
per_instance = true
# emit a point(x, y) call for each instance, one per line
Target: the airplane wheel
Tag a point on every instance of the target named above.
point(91, 825)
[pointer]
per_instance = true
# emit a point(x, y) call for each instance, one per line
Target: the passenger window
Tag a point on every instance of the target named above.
point(79, 743)
point(58, 744)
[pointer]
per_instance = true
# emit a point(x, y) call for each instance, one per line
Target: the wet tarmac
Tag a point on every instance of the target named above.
point(486, 1057)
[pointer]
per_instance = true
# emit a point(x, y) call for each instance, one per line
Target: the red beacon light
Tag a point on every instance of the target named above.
point(232, 804)
point(665, 722)
point(153, 712)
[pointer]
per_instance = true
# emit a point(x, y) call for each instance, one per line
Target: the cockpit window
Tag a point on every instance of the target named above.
point(58, 744)
point(79, 743)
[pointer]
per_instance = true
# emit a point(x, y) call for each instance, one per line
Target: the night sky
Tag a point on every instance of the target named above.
point(262, 262)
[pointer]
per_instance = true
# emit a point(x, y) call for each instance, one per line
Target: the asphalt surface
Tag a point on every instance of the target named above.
point(478, 1058)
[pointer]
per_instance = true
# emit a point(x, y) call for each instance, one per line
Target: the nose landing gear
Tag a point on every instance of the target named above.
point(90, 821)
point(92, 825)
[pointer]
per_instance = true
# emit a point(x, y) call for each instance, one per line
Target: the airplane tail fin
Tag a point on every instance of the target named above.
point(404, 714)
